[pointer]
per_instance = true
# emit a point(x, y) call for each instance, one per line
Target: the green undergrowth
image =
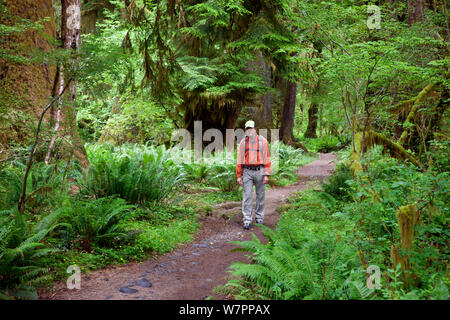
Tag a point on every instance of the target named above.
point(212, 197)
point(303, 259)
point(290, 159)
point(119, 210)
point(148, 239)
point(327, 238)
point(326, 143)
point(133, 202)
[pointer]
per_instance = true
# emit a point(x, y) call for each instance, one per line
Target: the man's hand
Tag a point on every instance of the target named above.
point(239, 180)
point(266, 179)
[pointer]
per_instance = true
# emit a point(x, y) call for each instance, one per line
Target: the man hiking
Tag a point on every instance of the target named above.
point(253, 168)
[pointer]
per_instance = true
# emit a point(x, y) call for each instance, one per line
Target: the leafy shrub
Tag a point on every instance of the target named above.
point(290, 159)
point(439, 154)
point(20, 246)
point(326, 143)
point(337, 185)
point(223, 176)
point(197, 172)
point(387, 186)
point(95, 221)
point(289, 156)
point(45, 183)
point(136, 174)
point(315, 270)
point(162, 238)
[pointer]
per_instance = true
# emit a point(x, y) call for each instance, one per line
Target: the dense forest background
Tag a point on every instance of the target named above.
point(91, 91)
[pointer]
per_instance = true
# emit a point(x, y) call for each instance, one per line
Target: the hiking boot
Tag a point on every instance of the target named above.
point(246, 225)
point(259, 222)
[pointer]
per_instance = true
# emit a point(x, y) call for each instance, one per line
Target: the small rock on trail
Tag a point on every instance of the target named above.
point(128, 290)
point(144, 283)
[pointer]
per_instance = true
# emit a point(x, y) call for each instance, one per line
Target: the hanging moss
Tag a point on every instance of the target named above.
point(407, 217)
point(402, 106)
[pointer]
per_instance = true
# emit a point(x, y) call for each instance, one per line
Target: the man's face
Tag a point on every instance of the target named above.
point(251, 132)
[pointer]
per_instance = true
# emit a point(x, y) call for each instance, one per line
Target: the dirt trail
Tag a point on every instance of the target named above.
point(194, 269)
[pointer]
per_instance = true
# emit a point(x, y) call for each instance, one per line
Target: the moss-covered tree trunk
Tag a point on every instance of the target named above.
point(315, 91)
point(311, 130)
point(408, 218)
point(260, 108)
point(287, 120)
point(266, 112)
point(25, 85)
point(288, 115)
point(93, 11)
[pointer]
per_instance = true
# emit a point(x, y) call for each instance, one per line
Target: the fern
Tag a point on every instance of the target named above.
point(281, 271)
point(195, 172)
point(337, 185)
point(20, 246)
point(46, 184)
point(96, 221)
point(136, 174)
point(355, 289)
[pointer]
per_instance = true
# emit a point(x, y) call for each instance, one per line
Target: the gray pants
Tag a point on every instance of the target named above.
point(250, 178)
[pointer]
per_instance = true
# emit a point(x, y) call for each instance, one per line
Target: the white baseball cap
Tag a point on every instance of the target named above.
point(250, 124)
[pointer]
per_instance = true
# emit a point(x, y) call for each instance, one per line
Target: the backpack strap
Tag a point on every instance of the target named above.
point(245, 145)
point(260, 140)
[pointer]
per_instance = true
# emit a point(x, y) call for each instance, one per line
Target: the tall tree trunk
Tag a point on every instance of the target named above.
point(312, 121)
point(259, 107)
point(93, 11)
point(415, 11)
point(70, 33)
point(25, 88)
point(287, 120)
point(314, 90)
point(266, 114)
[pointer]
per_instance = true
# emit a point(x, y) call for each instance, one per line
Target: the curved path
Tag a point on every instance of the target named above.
point(194, 269)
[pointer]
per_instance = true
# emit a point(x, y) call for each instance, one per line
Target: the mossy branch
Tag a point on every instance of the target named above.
point(412, 113)
point(402, 106)
point(375, 138)
point(395, 149)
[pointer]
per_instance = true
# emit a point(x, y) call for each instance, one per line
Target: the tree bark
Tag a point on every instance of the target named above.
point(287, 120)
point(314, 90)
point(70, 33)
point(259, 108)
point(312, 121)
point(415, 11)
point(93, 12)
point(266, 114)
point(24, 87)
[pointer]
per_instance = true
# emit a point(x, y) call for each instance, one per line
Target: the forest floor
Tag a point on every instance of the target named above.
point(193, 270)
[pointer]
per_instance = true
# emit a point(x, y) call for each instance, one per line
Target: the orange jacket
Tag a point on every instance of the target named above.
point(253, 156)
